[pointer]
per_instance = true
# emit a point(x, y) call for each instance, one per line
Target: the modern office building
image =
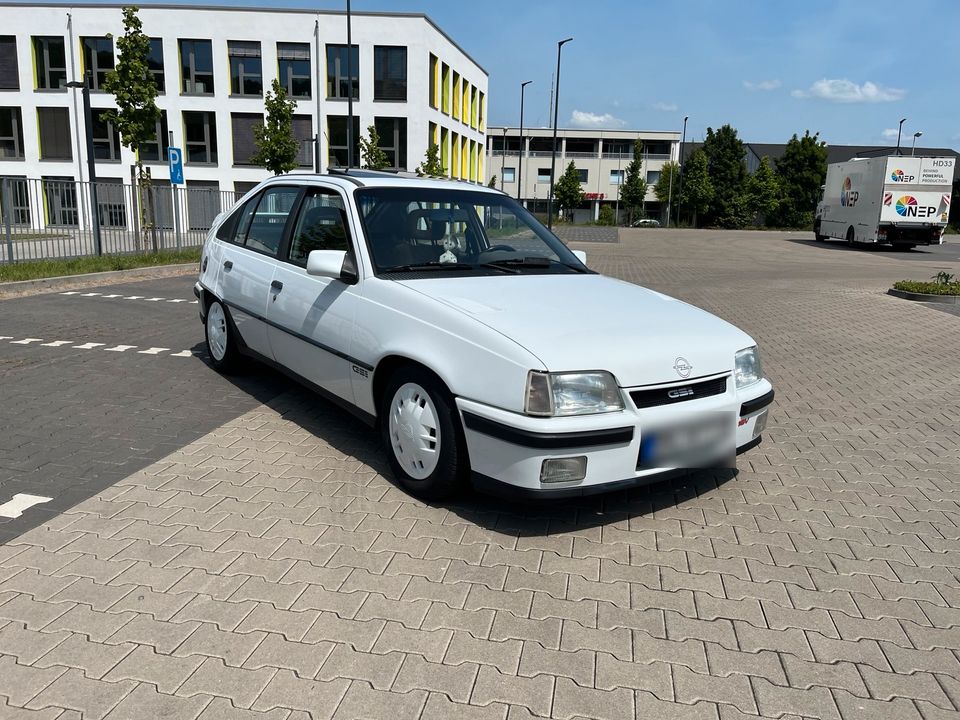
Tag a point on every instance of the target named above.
point(601, 158)
point(212, 65)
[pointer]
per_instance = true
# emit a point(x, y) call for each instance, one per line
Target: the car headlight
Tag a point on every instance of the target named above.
point(578, 393)
point(747, 370)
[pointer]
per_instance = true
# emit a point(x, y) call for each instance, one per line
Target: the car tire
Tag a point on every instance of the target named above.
point(221, 345)
point(851, 234)
point(422, 435)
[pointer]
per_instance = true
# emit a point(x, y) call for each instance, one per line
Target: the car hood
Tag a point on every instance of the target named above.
point(592, 322)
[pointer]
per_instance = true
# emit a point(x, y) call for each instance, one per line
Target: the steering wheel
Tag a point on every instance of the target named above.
point(501, 247)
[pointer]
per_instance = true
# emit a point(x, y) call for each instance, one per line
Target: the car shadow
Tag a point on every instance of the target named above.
point(842, 245)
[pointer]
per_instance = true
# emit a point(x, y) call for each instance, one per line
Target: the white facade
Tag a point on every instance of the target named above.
point(602, 154)
point(426, 46)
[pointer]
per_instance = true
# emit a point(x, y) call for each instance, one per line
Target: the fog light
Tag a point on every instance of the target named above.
point(560, 470)
point(761, 423)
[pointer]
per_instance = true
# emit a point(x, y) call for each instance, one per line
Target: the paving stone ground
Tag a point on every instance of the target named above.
point(269, 568)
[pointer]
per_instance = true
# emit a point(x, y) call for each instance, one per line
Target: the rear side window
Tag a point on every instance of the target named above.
point(321, 225)
point(264, 230)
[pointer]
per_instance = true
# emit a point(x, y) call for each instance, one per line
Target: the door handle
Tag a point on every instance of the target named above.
point(228, 264)
point(277, 285)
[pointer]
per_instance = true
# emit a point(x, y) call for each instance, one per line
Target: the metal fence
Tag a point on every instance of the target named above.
point(44, 218)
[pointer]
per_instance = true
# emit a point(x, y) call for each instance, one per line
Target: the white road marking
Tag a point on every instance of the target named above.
point(194, 302)
point(6, 337)
point(25, 341)
point(90, 294)
point(182, 353)
point(71, 292)
point(134, 297)
point(152, 351)
point(120, 348)
point(88, 346)
point(154, 299)
point(112, 296)
point(102, 346)
point(58, 343)
point(20, 502)
point(177, 300)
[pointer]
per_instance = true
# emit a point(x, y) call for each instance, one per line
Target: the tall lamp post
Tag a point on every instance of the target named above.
point(553, 154)
point(899, 130)
point(504, 158)
point(913, 148)
point(349, 91)
point(91, 165)
point(520, 188)
point(683, 139)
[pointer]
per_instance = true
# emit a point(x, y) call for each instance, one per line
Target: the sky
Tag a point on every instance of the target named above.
point(846, 69)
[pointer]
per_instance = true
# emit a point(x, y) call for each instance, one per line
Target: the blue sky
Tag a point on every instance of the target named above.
point(849, 69)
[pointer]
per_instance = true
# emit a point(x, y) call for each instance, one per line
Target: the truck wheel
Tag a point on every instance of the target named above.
point(816, 232)
point(850, 236)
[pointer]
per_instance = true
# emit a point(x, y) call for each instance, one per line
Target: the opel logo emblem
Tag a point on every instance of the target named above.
point(682, 367)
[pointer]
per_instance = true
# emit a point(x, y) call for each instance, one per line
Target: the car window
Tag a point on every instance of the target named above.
point(321, 225)
point(266, 226)
point(240, 224)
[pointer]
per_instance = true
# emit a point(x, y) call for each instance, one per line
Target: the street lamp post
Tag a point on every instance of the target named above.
point(683, 139)
point(913, 148)
point(553, 154)
point(91, 165)
point(503, 158)
point(520, 188)
point(349, 91)
point(899, 130)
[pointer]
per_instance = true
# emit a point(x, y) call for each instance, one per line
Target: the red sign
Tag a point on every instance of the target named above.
point(594, 196)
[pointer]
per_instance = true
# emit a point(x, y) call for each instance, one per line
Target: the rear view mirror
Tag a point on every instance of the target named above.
point(336, 264)
point(581, 256)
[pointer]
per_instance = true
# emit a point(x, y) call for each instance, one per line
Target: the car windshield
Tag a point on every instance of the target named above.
point(457, 232)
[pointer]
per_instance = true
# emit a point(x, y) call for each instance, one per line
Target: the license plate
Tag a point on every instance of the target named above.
point(691, 443)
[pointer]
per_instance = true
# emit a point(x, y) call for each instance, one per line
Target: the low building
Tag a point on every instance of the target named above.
point(521, 165)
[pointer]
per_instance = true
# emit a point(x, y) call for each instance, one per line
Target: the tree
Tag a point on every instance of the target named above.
point(277, 148)
point(762, 192)
point(802, 169)
point(607, 216)
point(698, 192)
point(431, 167)
point(493, 182)
point(663, 189)
point(633, 191)
point(374, 158)
point(567, 191)
point(725, 162)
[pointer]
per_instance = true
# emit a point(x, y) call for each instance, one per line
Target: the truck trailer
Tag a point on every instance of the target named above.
point(899, 201)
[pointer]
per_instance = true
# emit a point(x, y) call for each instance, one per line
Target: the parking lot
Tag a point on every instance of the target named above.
point(234, 548)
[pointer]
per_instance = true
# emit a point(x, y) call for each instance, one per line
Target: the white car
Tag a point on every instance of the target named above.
point(480, 346)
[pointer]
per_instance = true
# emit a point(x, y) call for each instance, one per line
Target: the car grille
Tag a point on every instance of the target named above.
point(679, 393)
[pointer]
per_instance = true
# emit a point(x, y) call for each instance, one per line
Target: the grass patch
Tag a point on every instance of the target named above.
point(35, 269)
point(928, 287)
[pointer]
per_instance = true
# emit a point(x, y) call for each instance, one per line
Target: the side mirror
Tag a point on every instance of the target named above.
point(336, 264)
point(581, 256)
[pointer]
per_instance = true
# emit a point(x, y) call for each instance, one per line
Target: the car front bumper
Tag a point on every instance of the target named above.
point(507, 450)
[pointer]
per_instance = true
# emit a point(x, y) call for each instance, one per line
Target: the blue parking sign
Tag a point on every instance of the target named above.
point(176, 165)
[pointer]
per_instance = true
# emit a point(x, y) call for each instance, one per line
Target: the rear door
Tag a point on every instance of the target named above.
point(249, 262)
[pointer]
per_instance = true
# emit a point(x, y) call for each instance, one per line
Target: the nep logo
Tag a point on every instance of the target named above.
point(898, 176)
point(848, 197)
point(907, 206)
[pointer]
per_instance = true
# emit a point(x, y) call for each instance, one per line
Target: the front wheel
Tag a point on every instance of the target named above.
point(850, 237)
point(221, 344)
point(422, 435)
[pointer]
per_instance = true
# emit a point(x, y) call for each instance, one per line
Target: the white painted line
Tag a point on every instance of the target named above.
point(152, 351)
point(58, 343)
point(134, 297)
point(154, 299)
point(20, 502)
point(71, 292)
point(178, 300)
point(26, 341)
point(88, 346)
point(89, 294)
point(6, 337)
point(120, 348)
point(111, 296)
point(194, 302)
point(182, 353)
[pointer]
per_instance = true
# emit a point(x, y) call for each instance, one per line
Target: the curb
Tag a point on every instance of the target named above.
point(924, 297)
point(21, 288)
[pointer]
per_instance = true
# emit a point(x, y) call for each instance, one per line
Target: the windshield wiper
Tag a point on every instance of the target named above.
point(532, 261)
point(432, 265)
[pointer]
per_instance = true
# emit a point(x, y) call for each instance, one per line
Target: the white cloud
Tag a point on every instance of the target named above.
point(583, 119)
point(889, 134)
point(764, 85)
point(665, 107)
point(847, 91)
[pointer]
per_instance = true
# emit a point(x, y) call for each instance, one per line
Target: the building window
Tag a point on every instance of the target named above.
point(616, 177)
point(155, 63)
point(473, 107)
point(242, 187)
point(481, 107)
point(456, 95)
point(445, 87)
point(303, 131)
point(393, 140)
point(652, 177)
point(51, 63)
point(97, 59)
point(337, 134)
point(54, 133)
point(111, 202)
point(106, 139)
point(9, 68)
point(11, 133)
point(509, 174)
point(434, 100)
point(196, 67)
point(338, 82)
point(244, 145)
point(155, 150)
point(583, 175)
point(60, 194)
point(389, 73)
point(294, 59)
point(246, 68)
point(543, 175)
point(200, 129)
point(19, 201)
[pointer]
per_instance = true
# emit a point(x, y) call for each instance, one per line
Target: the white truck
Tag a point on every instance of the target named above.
point(899, 201)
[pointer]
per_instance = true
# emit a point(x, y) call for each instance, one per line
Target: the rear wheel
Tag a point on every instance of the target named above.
point(850, 236)
point(816, 232)
point(221, 344)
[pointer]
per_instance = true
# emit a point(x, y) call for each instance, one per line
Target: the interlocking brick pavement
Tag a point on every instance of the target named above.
point(269, 569)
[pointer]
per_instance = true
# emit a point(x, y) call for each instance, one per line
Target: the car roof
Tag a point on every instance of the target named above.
point(354, 178)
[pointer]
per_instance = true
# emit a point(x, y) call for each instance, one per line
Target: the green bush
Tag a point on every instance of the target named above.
point(607, 216)
point(928, 287)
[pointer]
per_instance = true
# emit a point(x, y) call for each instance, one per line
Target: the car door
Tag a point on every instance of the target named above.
point(249, 263)
point(311, 318)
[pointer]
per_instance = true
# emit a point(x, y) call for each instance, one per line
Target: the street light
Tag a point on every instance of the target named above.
point(91, 166)
point(504, 158)
point(899, 129)
point(520, 188)
point(913, 149)
point(553, 154)
point(683, 139)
